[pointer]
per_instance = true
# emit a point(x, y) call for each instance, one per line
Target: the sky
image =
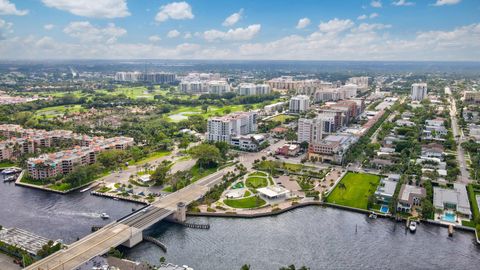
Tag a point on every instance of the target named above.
point(438, 30)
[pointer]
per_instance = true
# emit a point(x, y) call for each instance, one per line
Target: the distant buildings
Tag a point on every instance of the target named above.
point(361, 82)
point(299, 104)
point(218, 87)
point(333, 94)
point(199, 83)
point(272, 108)
point(192, 87)
point(284, 83)
point(471, 97)
point(288, 150)
point(250, 89)
point(228, 127)
point(419, 91)
point(331, 149)
point(435, 129)
point(152, 77)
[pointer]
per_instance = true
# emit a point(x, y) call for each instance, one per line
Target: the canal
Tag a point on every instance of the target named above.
point(321, 238)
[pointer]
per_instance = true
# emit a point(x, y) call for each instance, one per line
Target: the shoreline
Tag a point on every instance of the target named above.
point(323, 204)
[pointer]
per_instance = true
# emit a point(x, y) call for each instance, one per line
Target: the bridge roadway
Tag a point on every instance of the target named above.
point(118, 232)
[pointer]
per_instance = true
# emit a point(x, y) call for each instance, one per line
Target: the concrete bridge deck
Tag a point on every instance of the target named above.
point(123, 230)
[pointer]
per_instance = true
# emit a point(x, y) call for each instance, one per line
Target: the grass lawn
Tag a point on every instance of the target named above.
point(249, 202)
point(198, 173)
point(60, 186)
point(51, 112)
point(359, 186)
point(168, 189)
point(281, 118)
point(183, 112)
point(6, 164)
point(151, 157)
point(256, 182)
point(258, 174)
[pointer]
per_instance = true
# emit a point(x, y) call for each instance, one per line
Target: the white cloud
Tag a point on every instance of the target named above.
point(7, 8)
point(175, 11)
point(302, 23)
point(364, 27)
point(48, 27)
point(362, 17)
point(154, 38)
point(173, 33)
point(233, 19)
point(402, 3)
point(376, 3)
point(187, 35)
point(335, 26)
point(446, 2)
point(5, 27)
point(86, 32)
point(373, 15)
point(92, 8)
point(233, 34)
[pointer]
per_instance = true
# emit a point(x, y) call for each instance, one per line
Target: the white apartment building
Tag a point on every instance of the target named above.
point(250, 89)
point(192, 87)
point(314, 130)
point(333, 94)
point(299, 104)
point(419, 91)
point(361, 82)
point(218, 87)
point(223, 129)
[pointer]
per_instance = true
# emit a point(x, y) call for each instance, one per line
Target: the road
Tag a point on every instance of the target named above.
point(460, 138)
point(117, 233)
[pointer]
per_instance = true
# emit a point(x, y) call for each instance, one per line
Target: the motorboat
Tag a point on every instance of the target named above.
point(104, 216)
point(9, 179)
point(372, 215)
point(412, 226)
point(9, 171)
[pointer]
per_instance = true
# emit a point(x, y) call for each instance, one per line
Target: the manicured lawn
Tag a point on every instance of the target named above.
point(198, 173)
point(51, 112)
point(358, 187)
point(6, 164)
point(60, 186)
point(472, 191)
point(281, 118)
point(151, 157)
point(258, 174)
point(256, 182)
point(249, 202)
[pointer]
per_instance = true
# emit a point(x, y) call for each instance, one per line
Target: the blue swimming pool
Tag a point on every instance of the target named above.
point(449, 217)
point(384, 209)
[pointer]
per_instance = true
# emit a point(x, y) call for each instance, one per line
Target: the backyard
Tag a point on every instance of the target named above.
point(354, 190)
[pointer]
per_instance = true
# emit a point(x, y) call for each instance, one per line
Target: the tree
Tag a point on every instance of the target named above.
point(304, 145)
point(111, 158)
point(427, 209)
point(160, 173)
point(245, 267)
point(208, 155)
point(205, 108)
point(162, 259)
point(371, 201)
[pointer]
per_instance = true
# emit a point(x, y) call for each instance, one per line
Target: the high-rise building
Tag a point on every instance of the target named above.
point(152, 77)
point(471, 97)
point(223, 129)
point(313, 130)
point(361, 82)
point(218, 87)
point(249, 89)
point(192, 87)
point(299, 104)
point(419, 91)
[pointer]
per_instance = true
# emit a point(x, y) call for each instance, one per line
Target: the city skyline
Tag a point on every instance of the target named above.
point(243, 30)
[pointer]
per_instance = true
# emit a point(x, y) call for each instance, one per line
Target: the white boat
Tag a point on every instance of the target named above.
point(372, 215)
point(104, 216)
point(85, 189)
point(413, 226)
point(9, 179)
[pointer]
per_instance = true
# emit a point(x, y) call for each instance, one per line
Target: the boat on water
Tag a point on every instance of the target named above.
point(10, 179)
point(372, 215)
point(85, 189)
point(11, 171)
point(412, 226)
point(104, 216)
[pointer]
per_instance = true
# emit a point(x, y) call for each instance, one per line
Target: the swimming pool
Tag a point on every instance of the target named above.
point(384, 209)
point(449, 217)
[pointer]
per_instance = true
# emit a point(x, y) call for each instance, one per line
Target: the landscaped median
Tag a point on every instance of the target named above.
point(354, 189)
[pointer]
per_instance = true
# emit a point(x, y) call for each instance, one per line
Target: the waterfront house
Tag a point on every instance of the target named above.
point(409, 197)
point(385, 191)
point(455, 199)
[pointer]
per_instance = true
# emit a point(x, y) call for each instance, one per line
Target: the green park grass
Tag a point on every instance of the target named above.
point(198, 172)
point(249, 202)
point(258, 174)
point(358, 187)
point(281, 118)
point(151, 157)
point(256, 182)
point(52, 112)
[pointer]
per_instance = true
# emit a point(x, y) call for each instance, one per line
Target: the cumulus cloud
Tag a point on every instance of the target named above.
point(446, 2)
point(376, 3)
point(92, 8)
point(302, 23)
point(233, 34)
point(402, 3)
point(373, 15)
point(362, 17)
point(48, 27)
point(187, 35)
point(233, 19)
point(86, 32)
point(173, 33)
point(5, 27)
point(154, 38)
point(174, 11)
point(335, 26)
point(7, 8)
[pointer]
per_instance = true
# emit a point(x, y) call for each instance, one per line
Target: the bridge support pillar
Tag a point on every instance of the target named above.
point(181, 213)
point(135, 238)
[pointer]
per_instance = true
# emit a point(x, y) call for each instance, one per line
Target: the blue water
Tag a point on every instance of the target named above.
point(450, 217)
point(384, 209)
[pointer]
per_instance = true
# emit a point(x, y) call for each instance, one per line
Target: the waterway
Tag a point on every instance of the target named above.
point(321, 238)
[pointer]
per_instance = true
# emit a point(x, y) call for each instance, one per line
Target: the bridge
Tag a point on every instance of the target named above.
point(128, 231)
